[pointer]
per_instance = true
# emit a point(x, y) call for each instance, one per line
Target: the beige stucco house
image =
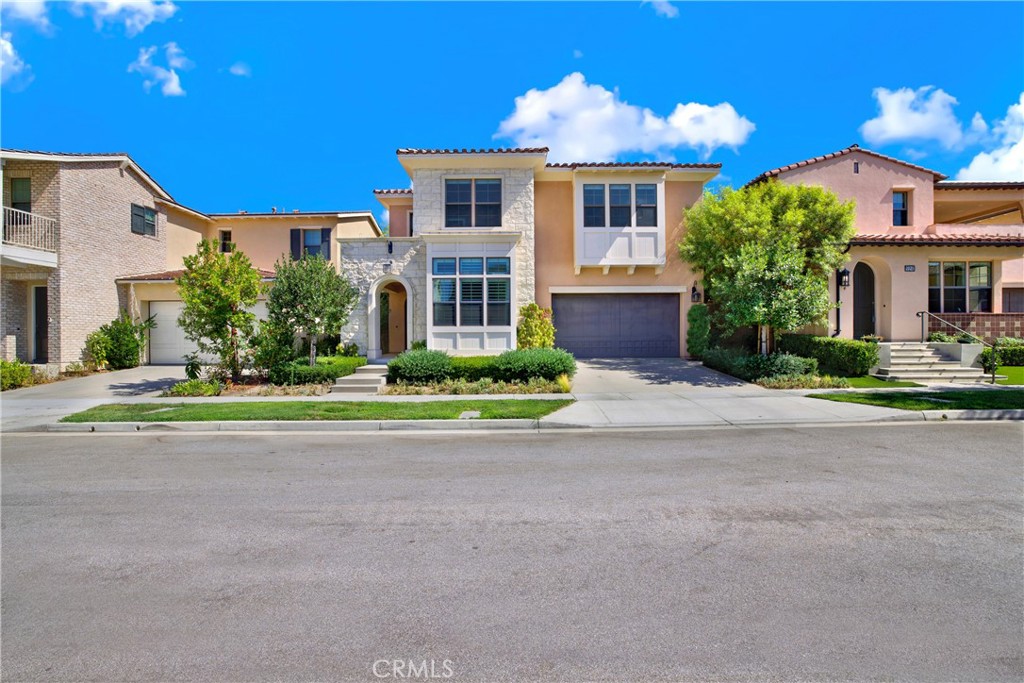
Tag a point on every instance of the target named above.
point(950, 251)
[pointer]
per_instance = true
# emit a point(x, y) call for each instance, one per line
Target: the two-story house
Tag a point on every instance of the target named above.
point(485, 232)
point(87, 235)
point(927, 250)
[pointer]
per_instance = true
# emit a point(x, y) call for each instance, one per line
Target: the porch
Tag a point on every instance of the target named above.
point(29, 239)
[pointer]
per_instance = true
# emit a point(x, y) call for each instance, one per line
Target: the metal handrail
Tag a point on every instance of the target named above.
point(25, 229)
point(924, 315)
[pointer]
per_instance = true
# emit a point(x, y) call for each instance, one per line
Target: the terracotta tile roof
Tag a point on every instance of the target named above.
point(950, 240)
point(284, 214)
point(843, 152)
point(172, 275)
point(629, 164)
point(497, 150)
point(979, 185)
point(399, 193)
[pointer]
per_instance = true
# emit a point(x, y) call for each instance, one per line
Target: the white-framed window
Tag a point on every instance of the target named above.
point(628, 205)
point(960, 286)
point(900, 207)
point(471, 291)
point(472, 202)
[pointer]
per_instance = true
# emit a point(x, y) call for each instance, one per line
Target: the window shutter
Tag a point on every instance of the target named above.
point(325, 243)
point(296, 243)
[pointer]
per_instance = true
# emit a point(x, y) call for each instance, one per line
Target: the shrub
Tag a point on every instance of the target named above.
point(564, 383)
point(536, 330)
point(750, 368)
point(75, 370)
point(350, 350)
point(126, 340)
point(521, 365)
point(723, 360)
point(273, 346)
point(97, 347)
point(804, 382)
point(1008, 355)
point(698, 330)
point(420, 366)
point(195, 387)
point(967, 338)
point(941, 338)
point(835, 356)
point(419, 345)
point(872, 338)
point(327, 369)
point(193, 368)
point(472, 368)
point(14, 374)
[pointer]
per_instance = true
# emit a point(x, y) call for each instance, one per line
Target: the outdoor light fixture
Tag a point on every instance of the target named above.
point(391, 246)
point(695, 294)
point(844, 278)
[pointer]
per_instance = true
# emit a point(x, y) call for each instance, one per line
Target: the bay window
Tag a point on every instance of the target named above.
point(471, 291)
point(628, 205)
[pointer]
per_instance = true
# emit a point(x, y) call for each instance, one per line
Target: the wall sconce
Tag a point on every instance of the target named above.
point(844, 278)
point(695, 294)
point(391, 246)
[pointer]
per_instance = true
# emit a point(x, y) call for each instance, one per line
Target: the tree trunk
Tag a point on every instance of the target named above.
point(312, 349)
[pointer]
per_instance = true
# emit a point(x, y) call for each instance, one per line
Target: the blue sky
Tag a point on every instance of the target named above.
point(248, 105)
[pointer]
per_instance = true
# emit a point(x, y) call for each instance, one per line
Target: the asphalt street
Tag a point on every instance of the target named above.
point(846, 553)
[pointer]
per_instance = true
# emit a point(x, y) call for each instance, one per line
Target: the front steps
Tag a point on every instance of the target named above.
point(917, 362)
point(367, 379)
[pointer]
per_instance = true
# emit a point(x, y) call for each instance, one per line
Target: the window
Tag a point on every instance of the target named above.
point(900, 208)
point(856, 168)
point(472, 203)
point(21, 194)
point(628, 205)
point(410, 224)
point(311, 242)
point(225, 241)
point(472, 291)
point(143, 220)
point(959, 287)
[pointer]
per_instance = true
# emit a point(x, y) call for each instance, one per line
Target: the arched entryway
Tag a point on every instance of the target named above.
point(863, 300)
point(389, 316)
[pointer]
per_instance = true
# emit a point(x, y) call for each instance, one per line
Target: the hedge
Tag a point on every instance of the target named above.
point(327, 369)
point(698, 330)
point(751, 368)
point(1012, 355)
point(842, 357)
point(420, 366)
point(14, 374)
point(520, 365)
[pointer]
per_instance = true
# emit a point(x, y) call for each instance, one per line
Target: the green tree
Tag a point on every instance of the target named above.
point(218, 291)
point(309, 297)
point(765, 253)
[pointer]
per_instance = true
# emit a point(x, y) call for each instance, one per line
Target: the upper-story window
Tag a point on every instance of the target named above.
point(143, 220)
point(472, 203)
point(628, 205)
point(225, 242)
point(21, 194)
point(900, 208)
point(311, 242)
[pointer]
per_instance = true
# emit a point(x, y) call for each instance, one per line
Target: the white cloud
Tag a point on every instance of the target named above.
point(664, 8)
point(136, 15)
point(1006, 160)
point(577, 54)
point(240, 69)
point(166, 77)
point(12, 66)
point(32, 11)
point(925, 114)
point(584, 122)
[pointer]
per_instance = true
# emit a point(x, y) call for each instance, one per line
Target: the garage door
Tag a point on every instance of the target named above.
point(167, 342)
point(617, 325)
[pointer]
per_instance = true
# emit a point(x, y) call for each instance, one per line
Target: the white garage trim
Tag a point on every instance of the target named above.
point(619, 289)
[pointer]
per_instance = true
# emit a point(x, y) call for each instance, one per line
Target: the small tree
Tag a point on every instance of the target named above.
point(218, 290)
point(536, 329)
point(309, 296)
point(766, 252)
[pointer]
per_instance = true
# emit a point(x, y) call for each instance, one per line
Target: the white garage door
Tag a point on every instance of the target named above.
point(167, 342)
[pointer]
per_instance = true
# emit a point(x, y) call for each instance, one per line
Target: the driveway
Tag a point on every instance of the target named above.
point(646, 375)
point(48, 403)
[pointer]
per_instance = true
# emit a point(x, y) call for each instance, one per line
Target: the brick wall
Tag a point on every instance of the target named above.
point(44, 178)
point(97, 246)
point(988, 326)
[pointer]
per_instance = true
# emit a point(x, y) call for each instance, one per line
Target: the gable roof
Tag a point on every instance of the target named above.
point(172, 275)
point(83, 157)
point(930, 240)
point(980, 185)
point(775, 172)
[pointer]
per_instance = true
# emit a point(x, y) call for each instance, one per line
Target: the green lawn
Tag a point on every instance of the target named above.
point(1014, 375)
point(869, 382)
point(315, 410)
point(969, 399)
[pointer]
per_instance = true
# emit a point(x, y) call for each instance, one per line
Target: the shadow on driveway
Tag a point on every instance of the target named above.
point(632, 374)
point(142, 387)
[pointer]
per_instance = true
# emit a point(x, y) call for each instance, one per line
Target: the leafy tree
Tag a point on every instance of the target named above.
point(309, 297)
point(218, 290)
point(766, 252)
point(536, 329)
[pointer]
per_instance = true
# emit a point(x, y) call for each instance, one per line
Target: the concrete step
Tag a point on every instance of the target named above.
point(357, 381)
point(375, 370)
point(911, 355)
point(355, 389)
point(959, 378)
point(928, 373)
point(934, 365)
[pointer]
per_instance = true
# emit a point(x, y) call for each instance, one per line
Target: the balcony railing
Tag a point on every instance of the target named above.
point(24, 229)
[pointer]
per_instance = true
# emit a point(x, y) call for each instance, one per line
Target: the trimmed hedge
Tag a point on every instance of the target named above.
point(842, 357)
point(195, 387)
point(1008, 355)
point(327, 369)
point(14, 374)
point(698, 330)
point(751, 368)
point(520, 365)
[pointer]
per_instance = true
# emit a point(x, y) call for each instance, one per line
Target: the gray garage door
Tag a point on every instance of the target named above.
point(617, 325)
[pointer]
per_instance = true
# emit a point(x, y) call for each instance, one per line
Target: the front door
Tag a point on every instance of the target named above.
point(41, 333)
point(863, 300)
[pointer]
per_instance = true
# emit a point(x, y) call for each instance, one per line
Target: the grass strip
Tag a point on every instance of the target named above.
point(869, 382)
point(1014, 374)
point(967, 399)
point(506, 409)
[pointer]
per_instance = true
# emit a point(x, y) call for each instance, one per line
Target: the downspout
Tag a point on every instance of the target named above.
point(839, 291)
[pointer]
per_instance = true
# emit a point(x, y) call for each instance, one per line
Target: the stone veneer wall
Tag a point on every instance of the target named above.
point(988, 326)
point(362, 264)
point(517, 213)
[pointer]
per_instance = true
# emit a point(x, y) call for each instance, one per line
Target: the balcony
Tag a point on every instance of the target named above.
point(28, 239)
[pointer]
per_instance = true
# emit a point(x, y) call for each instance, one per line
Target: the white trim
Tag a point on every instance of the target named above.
point(13, 255)
point(618, 289)
point(605, 238)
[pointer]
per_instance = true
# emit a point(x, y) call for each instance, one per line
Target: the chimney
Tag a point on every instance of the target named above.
point(242, 211)
point(295, 211)
point(273, 209)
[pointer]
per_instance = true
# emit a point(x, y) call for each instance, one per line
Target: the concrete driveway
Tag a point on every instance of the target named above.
point(48, 403)
point(646, 375)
